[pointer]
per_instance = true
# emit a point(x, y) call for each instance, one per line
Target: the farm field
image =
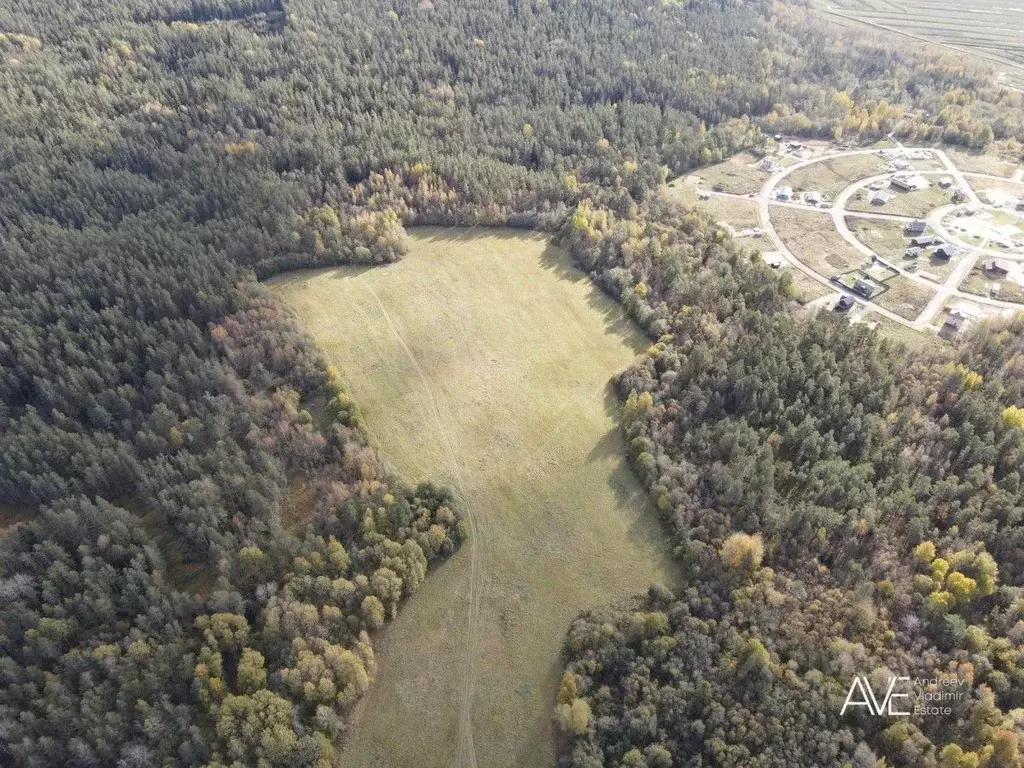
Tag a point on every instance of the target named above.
point(830, 177)
point(484, 360)
point(813, 239)
point(985, 29)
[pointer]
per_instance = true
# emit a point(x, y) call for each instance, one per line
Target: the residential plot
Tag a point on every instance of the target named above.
point(928, 164)
point(812, 237)
point(1005, 285)
point(988, 162)
point(830, 177)
point(886, 238)
point(738, 214)
point(738, 175)
point(905, 297)
point(990, 228)
point(918, 203)
point(997, 192)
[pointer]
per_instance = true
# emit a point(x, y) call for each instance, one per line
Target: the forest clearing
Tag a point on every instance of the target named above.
point(439, 350)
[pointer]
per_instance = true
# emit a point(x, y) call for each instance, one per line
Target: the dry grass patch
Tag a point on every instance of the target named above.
point(739, 175)
point(886, 238)
point(807, 289)
point(759, 244)
point(905, 297)
point(739, 214)
point(813, 239)
point(11, 514)
point(988, 163)
point(901, 334)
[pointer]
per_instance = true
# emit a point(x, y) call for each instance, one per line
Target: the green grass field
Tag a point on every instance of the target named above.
point(483, 360)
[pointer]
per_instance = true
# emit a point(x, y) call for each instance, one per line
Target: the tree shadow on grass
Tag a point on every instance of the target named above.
point(645, 525)
point(616, 322)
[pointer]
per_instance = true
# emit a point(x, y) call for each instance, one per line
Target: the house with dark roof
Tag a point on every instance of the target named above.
point(944, 252)
point(956, 322)
point(845, 302)
point(916, 228)
point(926, 241)
point(997, 267)
point(863, 288)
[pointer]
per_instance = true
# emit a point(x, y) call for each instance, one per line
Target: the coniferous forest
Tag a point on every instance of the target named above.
point(199, 540)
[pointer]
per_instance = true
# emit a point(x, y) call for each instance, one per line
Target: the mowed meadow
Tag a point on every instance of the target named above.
point(483, 360)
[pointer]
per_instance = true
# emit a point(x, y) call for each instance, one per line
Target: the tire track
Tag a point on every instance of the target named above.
point(467, 752)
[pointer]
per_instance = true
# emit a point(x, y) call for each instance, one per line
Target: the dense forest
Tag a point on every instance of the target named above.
point(199, 541)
